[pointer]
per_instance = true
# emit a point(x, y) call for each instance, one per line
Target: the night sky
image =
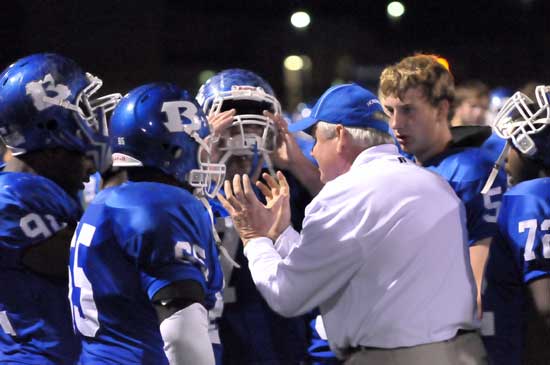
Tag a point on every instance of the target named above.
point(128, 43)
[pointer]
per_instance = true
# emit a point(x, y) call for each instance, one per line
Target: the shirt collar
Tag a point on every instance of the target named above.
point(373, 153)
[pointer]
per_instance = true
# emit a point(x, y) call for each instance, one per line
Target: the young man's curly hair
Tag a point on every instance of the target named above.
point(420, 70)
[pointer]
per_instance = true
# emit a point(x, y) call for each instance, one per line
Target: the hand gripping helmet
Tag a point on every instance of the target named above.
point(159, 125)
point(46, 101)
point(249, 95)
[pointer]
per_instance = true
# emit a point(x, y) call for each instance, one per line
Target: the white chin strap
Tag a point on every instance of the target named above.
point(223, 250)
point(496, 168)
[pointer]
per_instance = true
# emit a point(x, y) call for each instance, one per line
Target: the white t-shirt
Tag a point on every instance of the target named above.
point(383, 253)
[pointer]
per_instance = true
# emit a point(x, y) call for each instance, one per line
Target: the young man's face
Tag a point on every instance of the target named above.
point(519, 168)
point(242, 160)
point(62, 161)
point(415, 122)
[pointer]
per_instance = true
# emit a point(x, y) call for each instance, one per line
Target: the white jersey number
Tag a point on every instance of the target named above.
point(6, 324)
point(531, 226)
point(492, 201)
point(33, 225)
point(87, 323)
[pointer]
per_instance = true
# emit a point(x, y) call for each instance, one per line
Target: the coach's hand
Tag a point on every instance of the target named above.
point(253, 219)
point(274, 192)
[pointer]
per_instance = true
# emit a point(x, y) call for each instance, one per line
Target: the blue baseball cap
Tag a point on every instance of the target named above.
point(350, 105)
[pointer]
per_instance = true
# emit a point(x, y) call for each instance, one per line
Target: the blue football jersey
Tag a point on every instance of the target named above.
point(467, 170)
point(91, 188)
point(132, 241)
point(494, 146)
point(519, 254)
point(34, 311)
point(251, 332)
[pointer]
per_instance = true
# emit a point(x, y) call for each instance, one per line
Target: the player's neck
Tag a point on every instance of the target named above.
point(17, 165)
point(147, 174)
point(439, 146)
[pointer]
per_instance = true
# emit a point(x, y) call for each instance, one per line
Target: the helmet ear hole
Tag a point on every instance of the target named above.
point(176, 152)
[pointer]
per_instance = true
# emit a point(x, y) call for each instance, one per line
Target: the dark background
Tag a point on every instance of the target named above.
point(128, 43)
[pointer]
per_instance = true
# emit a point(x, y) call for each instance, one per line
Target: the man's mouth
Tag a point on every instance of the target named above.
point(402, 139)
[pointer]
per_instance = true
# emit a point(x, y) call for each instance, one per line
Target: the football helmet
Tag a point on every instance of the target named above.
point(46, 101)
point(251, 132)
point(160, 125)
point(524, 123)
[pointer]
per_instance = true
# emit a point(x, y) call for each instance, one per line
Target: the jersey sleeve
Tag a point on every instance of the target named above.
point(32, 209)
point(171, 243)
point(481, 209)
point(525, 225)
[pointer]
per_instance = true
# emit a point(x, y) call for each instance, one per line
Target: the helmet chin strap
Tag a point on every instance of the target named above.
point(496, 168)
point(222, 249)
point(256, 158)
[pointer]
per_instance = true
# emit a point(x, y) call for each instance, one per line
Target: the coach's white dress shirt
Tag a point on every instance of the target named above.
point(382, 252)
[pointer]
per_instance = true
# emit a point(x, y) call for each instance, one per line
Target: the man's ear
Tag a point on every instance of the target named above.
point(342, 137)
point(443, 110)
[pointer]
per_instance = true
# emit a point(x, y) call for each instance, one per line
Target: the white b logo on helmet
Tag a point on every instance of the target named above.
point(175, 110)
point(39, 90)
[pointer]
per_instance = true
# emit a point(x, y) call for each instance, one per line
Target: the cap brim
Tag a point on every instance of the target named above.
point(302, 124)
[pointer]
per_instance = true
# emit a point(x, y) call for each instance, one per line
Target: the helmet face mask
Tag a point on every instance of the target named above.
point(161, 126)
point(520, 119)
point(247, 134)
point(251, 133)
point(47, 102)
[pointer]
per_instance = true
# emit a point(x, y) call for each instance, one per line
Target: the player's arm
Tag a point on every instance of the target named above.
point(479, 252)
point(306, 173)
point(184, 323)
point(51, 256)
point(290, 157)
point(538, 326)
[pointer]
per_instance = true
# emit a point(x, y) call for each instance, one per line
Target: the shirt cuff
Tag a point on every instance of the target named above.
point(258, 244)
point(286, 241)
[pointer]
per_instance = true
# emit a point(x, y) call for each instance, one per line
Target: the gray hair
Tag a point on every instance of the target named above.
point(361, 137)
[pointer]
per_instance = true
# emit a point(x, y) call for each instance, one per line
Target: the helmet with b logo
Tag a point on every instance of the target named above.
point(160, 125)
point(46, 101)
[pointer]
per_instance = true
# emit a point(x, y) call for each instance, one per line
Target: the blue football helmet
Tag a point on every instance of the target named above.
point(46, 101)
point(159, 125)
point(524, 123)
point(251, 132)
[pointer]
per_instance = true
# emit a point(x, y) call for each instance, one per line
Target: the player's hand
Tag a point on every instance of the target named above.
point(287, 151)
point(219, 125)
point(221, 121)
point(274, 191)
point(252, 219)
